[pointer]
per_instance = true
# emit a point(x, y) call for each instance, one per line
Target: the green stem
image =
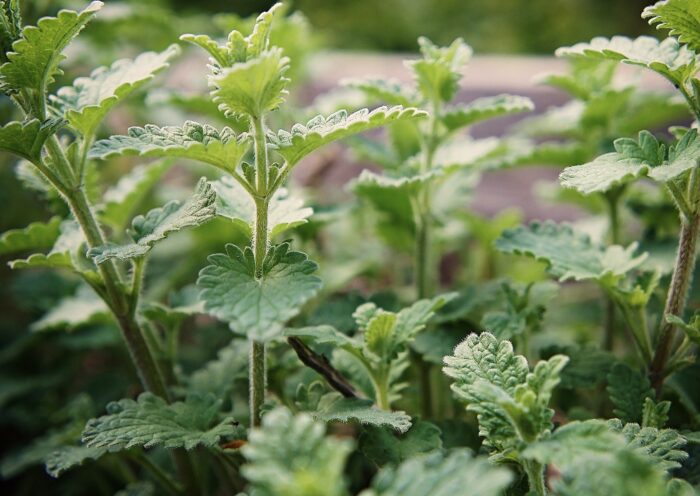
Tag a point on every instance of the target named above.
point(257, 369)
point(677, 296)
point(257, 381)
point(381, 388)
point(614, 218)
point(535, 476)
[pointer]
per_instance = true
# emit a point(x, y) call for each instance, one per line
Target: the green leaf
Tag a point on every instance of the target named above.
point(325, 334)
point(484, 108)
point(257, 307)
point(680, 17)
point(291, 455)
point(36, 236)
point(439, 474)
point(668, 58)
point(123, 198)
point(68, 252)
point(157, 224)
point(628, 390)
point(439, 71)
point(84, 307)
point(631, 160)
point(285, 211)
point(388, 91)
point(665, 446)
point(86, 103)
point(383, 446)
point(33, 62)
point(222, 149)
point(682, 157)
point(150, 422)
point(333, 407)
point(219, 375)
point(301, 140)
point(569, 254)
point(253, 87)
point(511, 403)
point(655, 414)
point(580, 449)
point(69, 457)
point(26, 139)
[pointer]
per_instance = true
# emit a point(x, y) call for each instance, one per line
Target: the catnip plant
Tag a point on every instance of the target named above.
point(254, 380)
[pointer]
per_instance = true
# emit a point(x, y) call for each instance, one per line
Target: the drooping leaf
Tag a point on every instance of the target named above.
point(218, 376)
point(123, 198)
point(680, 17)
point(628, 390)
point(670, 59)
point(333, 407)
point(157, 224)
point(440, 474)
point(36, 236)
point(569, 254)
point(257, 307)
point(68, 252)
point(484, 108)
point(84, 307)
point(291, 455)
point(387, 91)
point(383, 446)
point(303, 139)
point(26, 139)
point(33, 62)
point(253, 87)
point(222, 149)
point(325, 334)
point(151, 422)
point(665, 446)
point(89, 99)
point(632, 159)
point(69, 457)
point(285, 211)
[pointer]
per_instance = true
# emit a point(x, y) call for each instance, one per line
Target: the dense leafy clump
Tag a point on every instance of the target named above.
point(271, 335)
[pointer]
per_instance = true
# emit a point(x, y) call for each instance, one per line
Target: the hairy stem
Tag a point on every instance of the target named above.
point(614, 219)
point(677, 296)
point(535, 476)
point(321, 365)
point(257, 368)
point(257, 380)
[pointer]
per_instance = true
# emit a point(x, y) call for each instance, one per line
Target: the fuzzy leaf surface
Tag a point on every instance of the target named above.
point(628, 389)
point(680, 17)
point(69, 457)
point(485, 108)
point(150, 422)
point(285, 211)
point(89, 99)
point(631, 160)
point(223, 149)
point(257, 307)
point(33, 62)
point(291, 455)
point(384, 446)
point(36, 236)
point(569, 254)
point(159, 223)
point(303, 139)
point(26, 139)
point(441, 474)
point(670, 59)
point(333, 407)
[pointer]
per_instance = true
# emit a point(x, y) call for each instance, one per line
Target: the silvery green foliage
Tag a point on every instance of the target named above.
point(150, 421)
point(291, 455)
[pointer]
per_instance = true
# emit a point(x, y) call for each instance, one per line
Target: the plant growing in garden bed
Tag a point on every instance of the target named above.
point(312, 393)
